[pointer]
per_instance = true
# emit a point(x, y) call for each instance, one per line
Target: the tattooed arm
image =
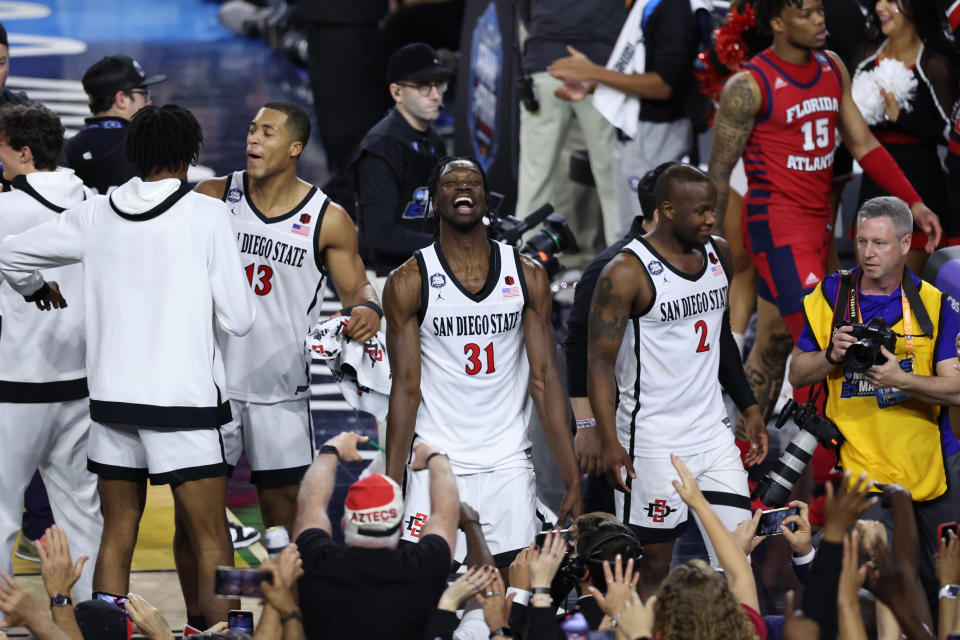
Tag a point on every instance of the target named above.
point(623, 290)
point(739, 106)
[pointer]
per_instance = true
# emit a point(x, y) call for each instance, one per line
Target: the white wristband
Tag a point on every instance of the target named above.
point(804, 559)
point(522, 597)
point(586, 423)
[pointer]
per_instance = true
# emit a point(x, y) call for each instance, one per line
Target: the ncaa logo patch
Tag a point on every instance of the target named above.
point(234, 195)
point(655, 267)
point(438, 280)
point(417, 207)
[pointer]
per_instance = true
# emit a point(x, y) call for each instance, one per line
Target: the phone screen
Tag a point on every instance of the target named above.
point(770, 521)
point(241, 620)
point(945, 527)
point(112, 598)
point(234, 581)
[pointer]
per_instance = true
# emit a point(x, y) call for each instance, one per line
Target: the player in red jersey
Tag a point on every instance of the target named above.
point(781, 114)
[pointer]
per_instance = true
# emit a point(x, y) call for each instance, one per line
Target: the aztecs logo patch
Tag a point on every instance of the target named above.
point(658, 510)
point(438, 280)
point(713, 258)
point(655, 267)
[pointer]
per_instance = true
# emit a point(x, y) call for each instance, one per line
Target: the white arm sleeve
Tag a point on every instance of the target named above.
point(52, 244)
point(232, 298)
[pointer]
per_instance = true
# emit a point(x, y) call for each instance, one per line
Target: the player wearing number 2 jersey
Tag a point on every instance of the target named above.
point(464, 317)
point(290, 235)
point(669, 290)
point(780, 114)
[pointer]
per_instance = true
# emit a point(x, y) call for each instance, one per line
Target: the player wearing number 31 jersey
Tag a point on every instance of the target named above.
point(290, 236)
point(469, 336)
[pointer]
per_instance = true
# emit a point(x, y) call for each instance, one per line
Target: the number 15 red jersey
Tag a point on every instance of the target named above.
point(789, 155)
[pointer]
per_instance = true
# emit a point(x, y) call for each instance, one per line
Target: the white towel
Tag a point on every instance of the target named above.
point(629, 56)
point(361, 370)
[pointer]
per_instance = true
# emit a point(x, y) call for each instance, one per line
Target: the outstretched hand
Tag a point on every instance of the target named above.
point(57, 569)
point(346, 443)
point(621, 584)
point(844, 505)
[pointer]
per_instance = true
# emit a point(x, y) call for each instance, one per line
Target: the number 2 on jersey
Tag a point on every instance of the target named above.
point(701, 328)
point(264, 273)
point(474, 365)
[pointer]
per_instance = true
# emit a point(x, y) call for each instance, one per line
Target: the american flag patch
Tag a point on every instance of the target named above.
point(716, 270)
point(300, 229)
point(510, 292)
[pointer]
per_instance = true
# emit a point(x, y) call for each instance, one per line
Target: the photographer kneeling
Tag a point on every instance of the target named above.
point(886, 354)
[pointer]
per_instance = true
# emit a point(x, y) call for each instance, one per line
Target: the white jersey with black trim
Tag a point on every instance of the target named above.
point(160, 267)
point(42, 353)
point(474, 371)
point(284, 268)
point(670, 398)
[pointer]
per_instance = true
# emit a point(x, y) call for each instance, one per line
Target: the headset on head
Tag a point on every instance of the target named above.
point(579, 564)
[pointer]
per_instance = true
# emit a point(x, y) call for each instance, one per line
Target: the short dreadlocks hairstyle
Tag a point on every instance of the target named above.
point(33, 125)
point(163, 138)
point(767, 10)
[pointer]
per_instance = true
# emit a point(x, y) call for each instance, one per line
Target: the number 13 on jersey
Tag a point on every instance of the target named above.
point(263, 275)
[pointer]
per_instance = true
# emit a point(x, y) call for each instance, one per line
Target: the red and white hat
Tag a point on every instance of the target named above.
point(374, 507)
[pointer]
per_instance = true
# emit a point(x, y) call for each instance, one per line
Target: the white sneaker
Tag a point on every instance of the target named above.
point(242, 536)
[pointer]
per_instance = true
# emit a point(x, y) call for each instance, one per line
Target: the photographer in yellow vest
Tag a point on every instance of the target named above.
point(882, 342)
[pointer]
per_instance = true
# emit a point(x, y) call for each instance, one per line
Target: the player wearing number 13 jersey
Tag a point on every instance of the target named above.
point(290, 235)
point(465, 316)
point(669, 290)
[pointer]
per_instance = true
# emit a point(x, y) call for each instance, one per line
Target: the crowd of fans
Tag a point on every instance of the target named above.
point(868, 555)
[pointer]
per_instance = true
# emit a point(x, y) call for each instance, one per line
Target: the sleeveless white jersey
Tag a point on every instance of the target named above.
point(474, 370)
point(283, 267)
point(670, 398)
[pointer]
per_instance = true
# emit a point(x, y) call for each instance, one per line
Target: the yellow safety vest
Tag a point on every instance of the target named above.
point(897, 444)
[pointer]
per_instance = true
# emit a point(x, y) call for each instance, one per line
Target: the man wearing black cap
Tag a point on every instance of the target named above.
point(395, 158)
point(7, 96)
point(117, 87)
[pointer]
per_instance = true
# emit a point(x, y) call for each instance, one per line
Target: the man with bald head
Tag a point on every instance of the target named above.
point(669, 289)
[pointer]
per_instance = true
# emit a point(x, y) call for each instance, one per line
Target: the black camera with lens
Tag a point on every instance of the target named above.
point(555, 237)
point(865, 352)
point(774, 489)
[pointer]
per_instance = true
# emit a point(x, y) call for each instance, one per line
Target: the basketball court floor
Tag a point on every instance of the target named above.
point(223, 79)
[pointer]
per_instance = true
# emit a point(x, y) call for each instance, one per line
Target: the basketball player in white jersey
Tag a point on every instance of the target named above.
point(465, 316)
point(290, 237)
point(160, 269)
point(44, 406)
point(669, 288)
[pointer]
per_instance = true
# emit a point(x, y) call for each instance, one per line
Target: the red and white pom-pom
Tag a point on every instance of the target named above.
point(894, 77)
point(866, 95)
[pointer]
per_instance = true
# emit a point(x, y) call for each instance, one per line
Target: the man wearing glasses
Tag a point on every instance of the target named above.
point(117, 87)
point(394, 161)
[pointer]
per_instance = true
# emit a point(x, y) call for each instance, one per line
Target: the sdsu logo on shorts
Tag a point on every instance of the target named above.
point(655, 267)
point(438, 280)
point(234, 195)
point(658, 510)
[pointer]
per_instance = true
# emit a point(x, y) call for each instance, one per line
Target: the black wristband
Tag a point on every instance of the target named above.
point(826, 354)
point(39, 294)
point(432, 455)
point(536, 590)
point(329, 448)
point(370, 304)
